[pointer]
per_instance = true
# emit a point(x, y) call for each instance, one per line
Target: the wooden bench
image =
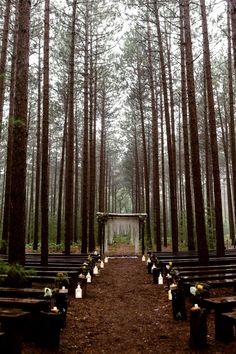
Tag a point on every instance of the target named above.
point(206, 267)
point(207, 271)
point(207, 277)
point(228, 321)
point(220, 305)
point(220, 280)
point(14, 323)
point(216, 283)
point(21, 292)
point(27, 304)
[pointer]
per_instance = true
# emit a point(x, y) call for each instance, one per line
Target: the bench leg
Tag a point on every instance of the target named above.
point(225, 329)
point(12, 340)
point(198, 329)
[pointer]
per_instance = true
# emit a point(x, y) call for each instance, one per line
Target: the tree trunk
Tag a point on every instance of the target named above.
point(163, 176)
point(6, 217)
point(69, 175)
point(227, 169)
point(233, 24)
point(92, 149)
point(220, 250)
point(101, 189)
point(61, 176)
point(45, 128)
point(172, 169)
point(155, 153)
point(84, 179)
point(195, 158)
point(18, 190)
point(231, 99)
point(145, 162)
point(76, 198)
point(188, 191)
point(3, 58)
point(38, 161)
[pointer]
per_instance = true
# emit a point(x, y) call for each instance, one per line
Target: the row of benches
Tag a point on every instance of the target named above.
point(25, 312)
point(216, 274)
point(73, 266)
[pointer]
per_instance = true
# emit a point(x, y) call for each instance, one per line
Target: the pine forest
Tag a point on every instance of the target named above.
point(117, 106)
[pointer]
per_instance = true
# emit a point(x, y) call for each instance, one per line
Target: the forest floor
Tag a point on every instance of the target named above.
point(124, 312)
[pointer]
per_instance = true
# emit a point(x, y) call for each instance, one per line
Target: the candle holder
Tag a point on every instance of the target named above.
point(95, 270)
point(78, 292)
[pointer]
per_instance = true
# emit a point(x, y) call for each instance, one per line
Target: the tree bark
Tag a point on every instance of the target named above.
point(7, 199)
point(69, 175)
point(195, 158)
point(145, 161)
point(84, 179)
point(38, 161)
point(3, 58)
point(19, 121)
point(45, 143)
point(220, 250)
point(155, 152)
point(187, 173)
point(172, 169)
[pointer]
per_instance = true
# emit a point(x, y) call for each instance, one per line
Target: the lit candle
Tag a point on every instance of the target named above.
point(54, 309)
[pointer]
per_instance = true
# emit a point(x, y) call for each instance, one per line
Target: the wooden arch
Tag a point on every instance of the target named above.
point(113, 223)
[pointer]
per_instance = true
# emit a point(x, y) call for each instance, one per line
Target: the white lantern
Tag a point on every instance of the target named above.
point(106, 260)
point(95, 270)
point(160, 279)
point(63, 290)
point(78, 292)
point(102, 264)
point(143, 258)
point(153, 267)
point(88, 277)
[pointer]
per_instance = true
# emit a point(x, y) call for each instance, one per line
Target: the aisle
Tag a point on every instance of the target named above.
point(125, 313)
point(122, 313)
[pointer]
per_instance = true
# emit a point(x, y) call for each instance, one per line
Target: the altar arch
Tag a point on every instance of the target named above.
point(112, 224)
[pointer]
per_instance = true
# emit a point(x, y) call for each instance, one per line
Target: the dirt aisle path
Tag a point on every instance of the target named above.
point(122, 313)
point(125, 313)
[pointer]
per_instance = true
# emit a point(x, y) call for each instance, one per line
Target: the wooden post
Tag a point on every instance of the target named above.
point(178, 304)
point(198, 328)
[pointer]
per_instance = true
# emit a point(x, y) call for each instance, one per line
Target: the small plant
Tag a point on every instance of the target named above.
point(17, 275)
point(200, 290)
point(172, 272)
point(4, 267)
point(84, 268)
point(62, 279)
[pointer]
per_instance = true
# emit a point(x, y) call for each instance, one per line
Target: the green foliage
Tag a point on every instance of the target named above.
point(210, 232)
point(3, 267)
point(61, 279)
point(3, 246)
point(124, 239)
point(17, 275)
